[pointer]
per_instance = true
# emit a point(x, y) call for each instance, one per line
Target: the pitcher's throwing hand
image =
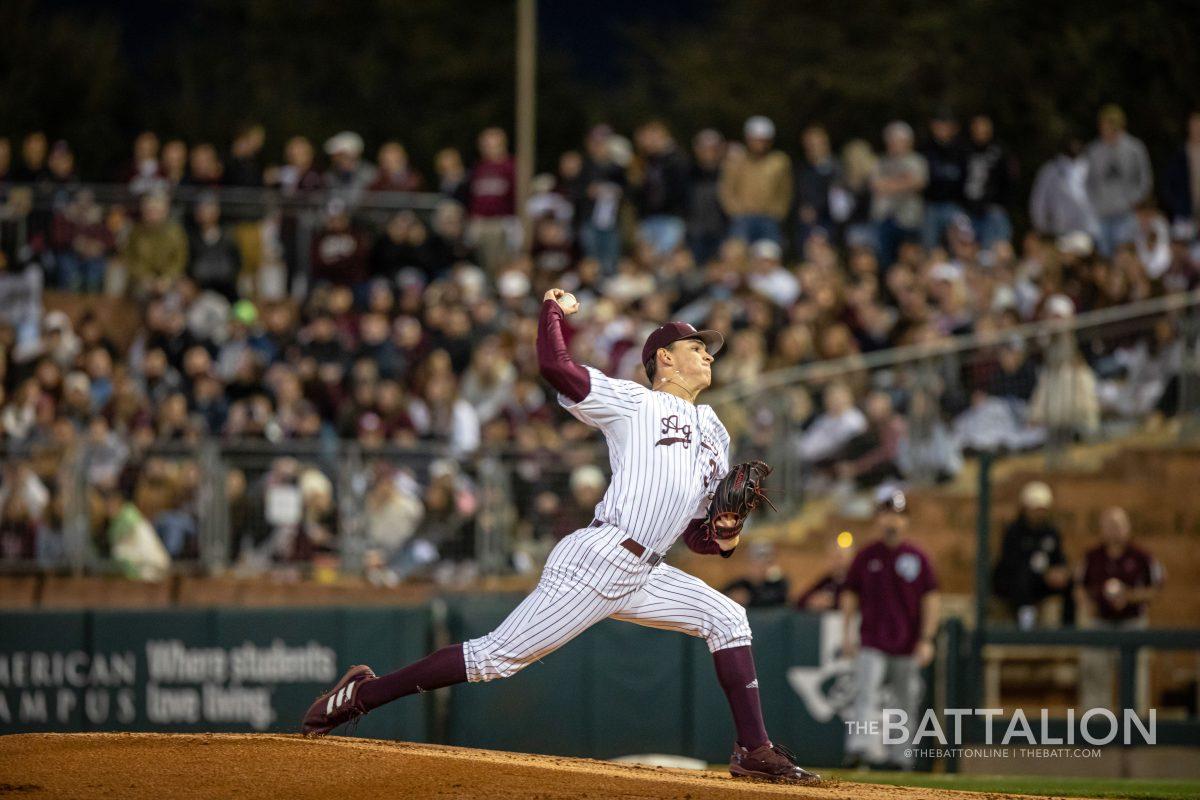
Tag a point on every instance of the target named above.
point(566, 301)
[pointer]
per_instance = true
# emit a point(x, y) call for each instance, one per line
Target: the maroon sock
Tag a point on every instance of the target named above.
point(735, 671)
point(444, 667)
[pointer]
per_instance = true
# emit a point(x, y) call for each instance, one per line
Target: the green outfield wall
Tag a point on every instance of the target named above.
point(618, 689)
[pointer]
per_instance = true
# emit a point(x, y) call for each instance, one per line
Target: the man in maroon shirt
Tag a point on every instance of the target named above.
point(339, 250)
point(494, 228)
point(893, 585)
point(1116, 582)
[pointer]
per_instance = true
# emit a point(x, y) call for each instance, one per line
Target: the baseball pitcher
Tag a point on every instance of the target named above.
point(670, 478)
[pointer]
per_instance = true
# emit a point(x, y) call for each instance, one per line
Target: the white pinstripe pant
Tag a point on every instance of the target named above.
point(590, 577)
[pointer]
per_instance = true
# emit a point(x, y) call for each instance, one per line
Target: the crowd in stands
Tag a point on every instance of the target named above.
point(418, 329)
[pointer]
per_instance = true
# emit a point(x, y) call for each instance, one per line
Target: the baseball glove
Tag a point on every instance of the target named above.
point(738, 493)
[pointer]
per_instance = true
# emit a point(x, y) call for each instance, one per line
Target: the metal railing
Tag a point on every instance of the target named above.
point(396, 512)
point(1080, 379)
point(28, 209)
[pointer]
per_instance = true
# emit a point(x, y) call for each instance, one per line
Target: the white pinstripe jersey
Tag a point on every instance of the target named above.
point(667, 456)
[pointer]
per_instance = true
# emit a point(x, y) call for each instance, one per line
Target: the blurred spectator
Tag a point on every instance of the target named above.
point(5, 160)
point(659, 187)
point(706, 220)
point(453, 181)
point(1064, 399)
point(214, 261)
point(393, 516)
point(1116, 583)
point(602, 181)
point(1181, 181)
point(395, 173)
point(826, 592)
point(245, 157)
point(871, 457)
point(340, 251)
point(81, 243)
point(946, 158)
point(768, 277)
point(756, 185)
point(144, 174)
point(1143, 371)
point(348, 175)
point(815, 179)
point(1060, 203)
point(135, 548)
point(850, 198)
point(157, 249)
point(990, 175)
point(298, 173)
point(494, 228)
point(1152, 242)
point(765, 586)
point(930, 452)
point(173, 163)
point(405, 244)
point(1118, 579)
point(900, 177)
point(1032, 566)
point(1118, 179)
point(32, 167)
point(24, 500)
point(833, 428)
point(204, 167)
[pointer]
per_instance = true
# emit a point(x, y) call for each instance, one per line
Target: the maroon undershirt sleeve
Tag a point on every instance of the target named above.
point(554, 362)
point(699, 540)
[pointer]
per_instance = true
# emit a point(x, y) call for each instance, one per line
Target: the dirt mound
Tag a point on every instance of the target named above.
point(156, 766)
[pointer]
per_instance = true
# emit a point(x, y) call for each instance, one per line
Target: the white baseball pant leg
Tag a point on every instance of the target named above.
point(560, 609)
point(676, 601)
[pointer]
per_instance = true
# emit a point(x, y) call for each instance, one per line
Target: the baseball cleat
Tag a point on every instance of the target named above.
point(769, 763)
point(337, 706)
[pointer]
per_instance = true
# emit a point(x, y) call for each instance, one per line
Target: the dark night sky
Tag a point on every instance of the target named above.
point(589, 30)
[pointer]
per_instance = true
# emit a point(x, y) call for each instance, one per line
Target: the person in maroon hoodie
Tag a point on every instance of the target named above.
point(893, 584)
point(494, 228)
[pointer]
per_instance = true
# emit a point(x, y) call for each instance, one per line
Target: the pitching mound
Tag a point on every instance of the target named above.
point(157, 766)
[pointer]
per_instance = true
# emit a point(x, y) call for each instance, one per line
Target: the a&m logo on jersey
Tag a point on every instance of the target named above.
point(671, 425)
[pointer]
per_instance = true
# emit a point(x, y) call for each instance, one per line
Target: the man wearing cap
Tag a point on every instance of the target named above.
point(348, 175)
point(668, 455)
point(756, 185)
point(892, 584)
point(1032, 565)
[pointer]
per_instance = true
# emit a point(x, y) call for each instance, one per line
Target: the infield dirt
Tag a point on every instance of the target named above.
point(159, 766)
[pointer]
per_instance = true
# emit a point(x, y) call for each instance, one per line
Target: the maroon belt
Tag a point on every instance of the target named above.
point(655, 558)
point(639, 550)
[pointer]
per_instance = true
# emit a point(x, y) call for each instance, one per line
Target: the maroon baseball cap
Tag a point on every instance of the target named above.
point(666, 335)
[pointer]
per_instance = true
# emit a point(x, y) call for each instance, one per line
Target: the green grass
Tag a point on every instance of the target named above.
point(1125, 788)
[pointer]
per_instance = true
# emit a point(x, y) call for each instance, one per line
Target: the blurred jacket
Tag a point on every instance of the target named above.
point(757, 185)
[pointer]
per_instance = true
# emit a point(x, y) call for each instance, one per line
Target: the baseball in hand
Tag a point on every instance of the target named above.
point(566, 301)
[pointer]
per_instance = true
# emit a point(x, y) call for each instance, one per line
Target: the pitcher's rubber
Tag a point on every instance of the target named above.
point(147, 766)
